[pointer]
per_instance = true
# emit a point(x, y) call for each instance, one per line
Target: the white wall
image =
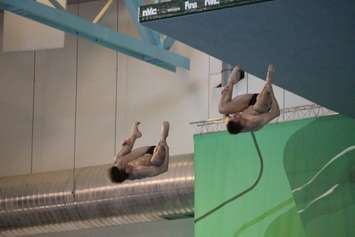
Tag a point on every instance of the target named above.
point(155, 95)
point(22, 34)
point(76, 104)
point(16, 107)
point(59, 104)
point(54, 106)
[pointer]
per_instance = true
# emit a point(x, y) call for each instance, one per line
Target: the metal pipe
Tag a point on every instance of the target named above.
point(56, 4)
point(102, 11)
point(45, 202)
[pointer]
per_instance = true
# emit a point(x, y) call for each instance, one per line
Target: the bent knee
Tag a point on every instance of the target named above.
point(157, 161)
point(259, 107)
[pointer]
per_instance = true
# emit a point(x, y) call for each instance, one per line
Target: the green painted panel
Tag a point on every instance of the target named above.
point(289, 220)
point(225, 165)
point(320, 164)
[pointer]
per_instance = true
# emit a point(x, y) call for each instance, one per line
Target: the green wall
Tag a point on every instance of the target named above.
point(307, 187)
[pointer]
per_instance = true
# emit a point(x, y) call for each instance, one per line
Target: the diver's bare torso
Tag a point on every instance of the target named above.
point(146, 159)
point(252, 121)
point(251, 117)
point(141, 161)
point(157, 161)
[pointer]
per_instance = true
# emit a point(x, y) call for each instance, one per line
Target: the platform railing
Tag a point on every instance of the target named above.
point(287, 114)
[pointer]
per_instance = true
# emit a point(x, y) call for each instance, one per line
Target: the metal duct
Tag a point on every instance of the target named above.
point(46, 202)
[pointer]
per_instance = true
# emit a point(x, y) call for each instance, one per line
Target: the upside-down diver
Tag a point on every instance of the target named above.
point(141, 162)
point(248, 112)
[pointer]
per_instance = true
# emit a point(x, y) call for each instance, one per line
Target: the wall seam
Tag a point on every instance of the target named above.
point(209, 88)
point(75, 105)
point(116, 87)
point(247, 77)
point(33, 109)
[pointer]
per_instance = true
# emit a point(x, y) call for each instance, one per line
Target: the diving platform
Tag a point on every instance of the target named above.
point(310, 42)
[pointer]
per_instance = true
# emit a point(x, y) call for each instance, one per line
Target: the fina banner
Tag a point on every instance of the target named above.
point(183, 7)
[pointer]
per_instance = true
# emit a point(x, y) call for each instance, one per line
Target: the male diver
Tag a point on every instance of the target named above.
point(248, 112)
point(141, 162)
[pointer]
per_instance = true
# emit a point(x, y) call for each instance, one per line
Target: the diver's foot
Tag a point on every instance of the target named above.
point(236, 75)
point(135, 131)
point(270, 71)
point(164, 130)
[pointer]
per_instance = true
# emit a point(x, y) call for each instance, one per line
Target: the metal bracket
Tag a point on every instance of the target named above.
point(56, 4)
point(103, 11)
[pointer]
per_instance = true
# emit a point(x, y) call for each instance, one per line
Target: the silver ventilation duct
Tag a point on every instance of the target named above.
point(54, 201)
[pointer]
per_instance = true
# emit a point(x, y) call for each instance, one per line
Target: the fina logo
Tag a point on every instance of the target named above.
point(190, 5)
point(149, 11)
point(211, 2)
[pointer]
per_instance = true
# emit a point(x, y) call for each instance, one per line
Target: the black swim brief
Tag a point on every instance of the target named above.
point(253, 99)
point(150, 150)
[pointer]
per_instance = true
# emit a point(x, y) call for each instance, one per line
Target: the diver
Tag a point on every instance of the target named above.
point(141, 162)
point(248, 112)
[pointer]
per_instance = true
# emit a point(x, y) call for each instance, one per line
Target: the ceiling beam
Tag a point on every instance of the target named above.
point(98, 34)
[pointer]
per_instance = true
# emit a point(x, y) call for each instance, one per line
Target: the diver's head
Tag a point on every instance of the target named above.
point(118, 175)
point(234, 124)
